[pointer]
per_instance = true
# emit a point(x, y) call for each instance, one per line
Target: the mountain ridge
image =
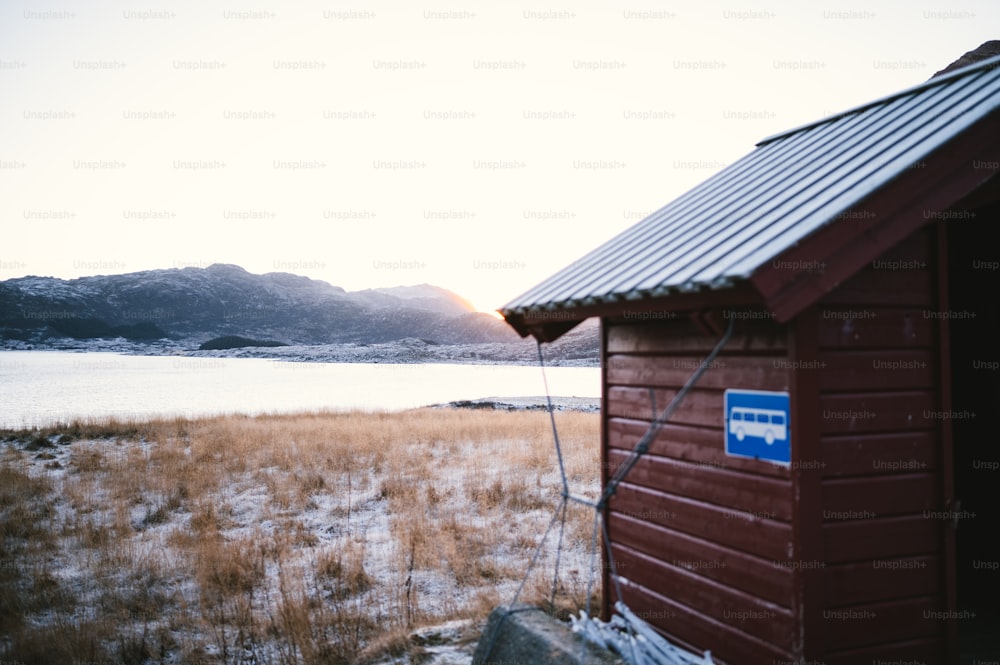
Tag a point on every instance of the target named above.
point(222, 299)
point(176, 310)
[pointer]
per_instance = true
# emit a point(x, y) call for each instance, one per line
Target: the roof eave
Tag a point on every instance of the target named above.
point(549, 322)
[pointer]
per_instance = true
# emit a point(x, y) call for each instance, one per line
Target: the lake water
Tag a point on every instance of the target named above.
point(43, 387)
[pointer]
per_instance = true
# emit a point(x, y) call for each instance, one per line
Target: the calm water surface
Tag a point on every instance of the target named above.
point(41, 387)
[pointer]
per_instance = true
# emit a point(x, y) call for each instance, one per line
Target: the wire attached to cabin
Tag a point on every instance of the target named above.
point(642, 447)
point(600, 525)
point(552, 419)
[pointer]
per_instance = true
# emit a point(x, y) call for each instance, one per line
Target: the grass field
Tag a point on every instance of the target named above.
point(313, 538)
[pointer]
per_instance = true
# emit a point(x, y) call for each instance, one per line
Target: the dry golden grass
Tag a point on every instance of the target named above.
point(278, 539)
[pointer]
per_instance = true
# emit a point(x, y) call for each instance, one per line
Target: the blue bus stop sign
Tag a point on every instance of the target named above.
point(757, 425)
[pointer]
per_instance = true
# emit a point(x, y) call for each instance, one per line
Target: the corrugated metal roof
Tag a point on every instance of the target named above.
point(794, 183)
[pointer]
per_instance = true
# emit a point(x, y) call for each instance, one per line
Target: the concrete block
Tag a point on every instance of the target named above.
point(525, 635)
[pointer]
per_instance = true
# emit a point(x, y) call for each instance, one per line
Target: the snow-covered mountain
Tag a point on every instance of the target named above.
point(197, 304)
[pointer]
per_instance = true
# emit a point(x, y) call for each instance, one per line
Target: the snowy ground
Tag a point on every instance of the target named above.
point(147, 551)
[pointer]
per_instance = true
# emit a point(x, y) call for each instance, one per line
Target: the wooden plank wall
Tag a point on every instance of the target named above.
point(880, 446)
point(699, 538)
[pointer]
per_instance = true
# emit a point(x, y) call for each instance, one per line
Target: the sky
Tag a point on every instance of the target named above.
point(476, 146)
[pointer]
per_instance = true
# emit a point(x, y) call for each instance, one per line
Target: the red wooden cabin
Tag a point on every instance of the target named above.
point(852, 256)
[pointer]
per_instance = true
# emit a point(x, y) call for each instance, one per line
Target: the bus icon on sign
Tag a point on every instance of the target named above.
point(757, 425)
point(767, 424)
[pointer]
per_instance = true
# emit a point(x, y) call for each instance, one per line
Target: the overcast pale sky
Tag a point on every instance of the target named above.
point(476, 146)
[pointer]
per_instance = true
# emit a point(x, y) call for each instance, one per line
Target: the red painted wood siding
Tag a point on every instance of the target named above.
point(880, 449)
point(700, 538)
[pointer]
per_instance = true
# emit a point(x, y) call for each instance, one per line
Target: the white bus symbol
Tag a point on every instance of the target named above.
point(767, 424)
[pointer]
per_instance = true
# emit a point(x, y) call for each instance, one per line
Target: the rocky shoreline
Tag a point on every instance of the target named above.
point(535, 403)
point(405, 351)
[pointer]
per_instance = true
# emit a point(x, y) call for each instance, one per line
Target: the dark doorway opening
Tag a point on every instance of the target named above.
point(974, 288)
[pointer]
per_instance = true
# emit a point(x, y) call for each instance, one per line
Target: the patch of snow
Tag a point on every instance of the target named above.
point(332, 516)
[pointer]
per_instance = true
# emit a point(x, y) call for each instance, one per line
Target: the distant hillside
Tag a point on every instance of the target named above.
point(421, 296)
point(199, 304)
